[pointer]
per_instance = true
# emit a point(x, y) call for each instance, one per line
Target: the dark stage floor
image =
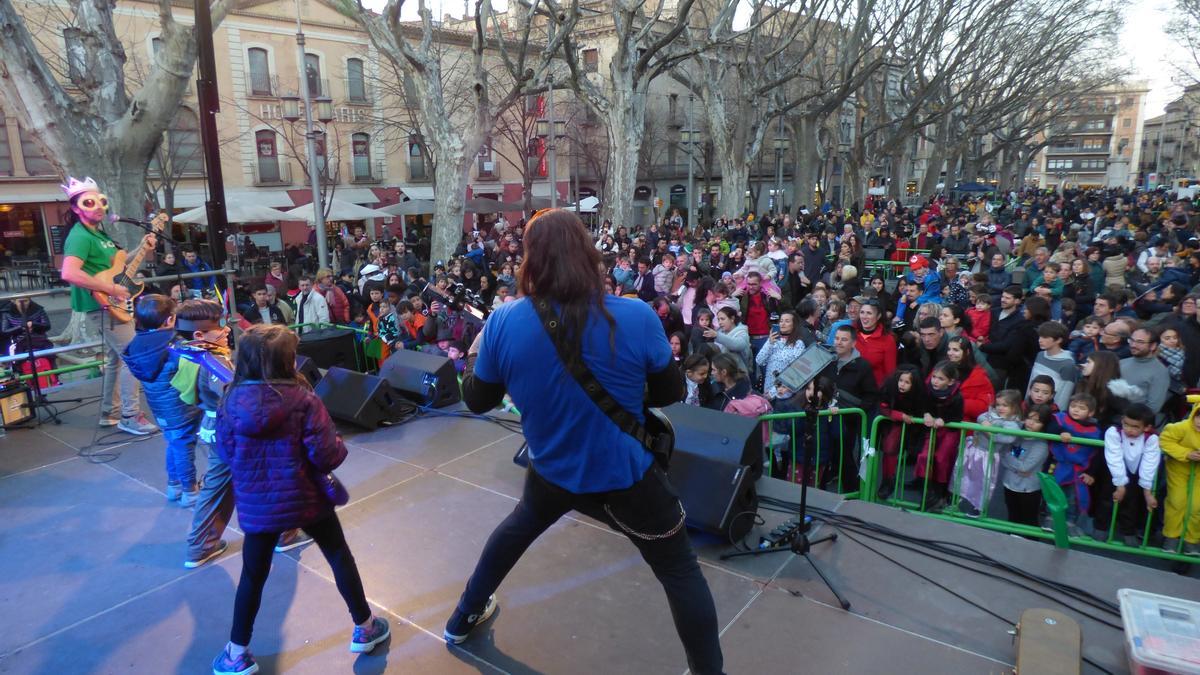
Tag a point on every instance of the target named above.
point(92, 581)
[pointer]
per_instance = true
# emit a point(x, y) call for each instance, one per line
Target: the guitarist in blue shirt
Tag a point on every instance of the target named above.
point(88, 251)
point(579, 457)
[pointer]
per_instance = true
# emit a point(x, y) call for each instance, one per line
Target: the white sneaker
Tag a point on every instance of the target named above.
point(138, 426)
point(210, 555)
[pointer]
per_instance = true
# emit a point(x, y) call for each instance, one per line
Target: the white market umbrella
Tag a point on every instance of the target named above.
point(585, 205)
point(412, 207)
point(337, 210)
point(234, 213)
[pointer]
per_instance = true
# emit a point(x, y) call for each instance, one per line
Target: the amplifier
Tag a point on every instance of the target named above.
point(16, 407)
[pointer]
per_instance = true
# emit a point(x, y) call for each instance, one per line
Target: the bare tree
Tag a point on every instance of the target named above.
point(799, 58)
point(91, 123)
point(1013, 92)
point(1184, 29)
point(457, 107)
point(517, 127)
point(648, 44)
point(587, 141)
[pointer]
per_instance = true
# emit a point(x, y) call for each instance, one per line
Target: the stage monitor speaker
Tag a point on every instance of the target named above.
point(330, 347)
point(718, 459)
point(360, 399)
point(306, 367)
point(423, 378)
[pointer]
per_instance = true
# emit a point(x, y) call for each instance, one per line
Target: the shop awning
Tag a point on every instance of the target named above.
point(190, 198)
point(418, 191)
point(356, 195)
point(15, 193)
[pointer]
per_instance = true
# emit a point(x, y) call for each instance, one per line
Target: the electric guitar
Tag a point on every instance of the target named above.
point(122, 273)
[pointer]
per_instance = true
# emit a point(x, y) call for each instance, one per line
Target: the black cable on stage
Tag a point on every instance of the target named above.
point(956, 594)
point(513, 426)
point(948, 548)
point(928, 548)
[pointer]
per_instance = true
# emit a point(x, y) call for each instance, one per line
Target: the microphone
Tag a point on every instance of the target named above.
point(114, 218)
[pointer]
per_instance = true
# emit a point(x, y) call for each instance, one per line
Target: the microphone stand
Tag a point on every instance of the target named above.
point(39, 399)
point(148, 227)
point(800, 543)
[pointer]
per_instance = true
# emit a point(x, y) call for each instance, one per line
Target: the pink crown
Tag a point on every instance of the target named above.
point(77, 187)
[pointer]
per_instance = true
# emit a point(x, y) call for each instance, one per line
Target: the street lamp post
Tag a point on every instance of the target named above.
point(690, 139)
point(559, 128)
point(781, 146)
point(310, 140)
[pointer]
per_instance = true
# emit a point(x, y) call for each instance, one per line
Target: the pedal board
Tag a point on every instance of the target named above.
point(1048, 643)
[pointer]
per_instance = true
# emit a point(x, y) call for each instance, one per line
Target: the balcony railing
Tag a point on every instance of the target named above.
point(367, 175)
point(358, 92)
point(316, 87)
point(279, 173)
point(262, 87)
point(1078, 150)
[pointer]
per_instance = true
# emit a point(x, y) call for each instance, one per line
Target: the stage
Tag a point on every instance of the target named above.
point(92, 577)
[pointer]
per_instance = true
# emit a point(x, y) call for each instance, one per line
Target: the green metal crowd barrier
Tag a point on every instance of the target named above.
point(1052, 494)
point(821, 463)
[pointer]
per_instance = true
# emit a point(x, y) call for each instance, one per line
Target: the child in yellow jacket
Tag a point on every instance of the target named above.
point(1180, 443)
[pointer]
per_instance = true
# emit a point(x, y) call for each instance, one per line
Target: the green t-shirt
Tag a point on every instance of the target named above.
point(96, 250)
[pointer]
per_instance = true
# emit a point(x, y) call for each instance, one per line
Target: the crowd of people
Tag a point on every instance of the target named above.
point(1084, 303)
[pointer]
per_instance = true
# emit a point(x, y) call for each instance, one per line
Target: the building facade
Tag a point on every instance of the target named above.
point(1171, 143)
point(368, 151)
point(1099, 144)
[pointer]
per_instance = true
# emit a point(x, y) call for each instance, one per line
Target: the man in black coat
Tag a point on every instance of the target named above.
point(1012, 341)
point(856, 388)
point(814, 256)
point(929, 348)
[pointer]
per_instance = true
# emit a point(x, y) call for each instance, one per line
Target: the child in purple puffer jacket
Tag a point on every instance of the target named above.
point(278, 440)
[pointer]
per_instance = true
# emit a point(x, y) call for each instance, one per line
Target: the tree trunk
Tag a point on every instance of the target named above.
point(937, 158)
point(735, 179)
point(626, 130)
point(853, 183)
point(449, 207)
point(808, 161)
point(898, 180)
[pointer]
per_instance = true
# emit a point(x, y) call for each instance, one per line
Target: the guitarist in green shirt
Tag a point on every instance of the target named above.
point(88, 251)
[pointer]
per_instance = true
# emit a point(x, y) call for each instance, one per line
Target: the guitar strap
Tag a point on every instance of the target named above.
point(624, 420)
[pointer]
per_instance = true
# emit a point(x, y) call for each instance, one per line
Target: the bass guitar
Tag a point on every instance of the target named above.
point(122, 273)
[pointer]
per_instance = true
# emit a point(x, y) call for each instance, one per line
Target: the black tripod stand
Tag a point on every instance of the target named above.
point(801, 543)
point(39, 401)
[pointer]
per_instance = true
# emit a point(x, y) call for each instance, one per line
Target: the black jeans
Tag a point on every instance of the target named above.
point(1023, 507)
point(649, 507)
point(257, 550)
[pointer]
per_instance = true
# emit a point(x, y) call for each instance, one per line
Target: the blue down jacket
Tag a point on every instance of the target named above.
point(278, 439)
point(150, 360)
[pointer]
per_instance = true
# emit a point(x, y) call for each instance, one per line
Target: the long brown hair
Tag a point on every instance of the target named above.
point(267, 352)
point(563, 266)
point(1105, 368)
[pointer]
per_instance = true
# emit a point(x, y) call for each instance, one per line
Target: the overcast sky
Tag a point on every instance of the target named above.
point(1148, 50)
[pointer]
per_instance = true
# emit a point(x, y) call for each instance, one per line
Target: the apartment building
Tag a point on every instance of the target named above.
point(368, 151)
point(1099, 144)
point(1171, 143)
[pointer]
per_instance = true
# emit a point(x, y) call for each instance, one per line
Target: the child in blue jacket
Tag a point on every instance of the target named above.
point(1072, 460)
point(150, 359)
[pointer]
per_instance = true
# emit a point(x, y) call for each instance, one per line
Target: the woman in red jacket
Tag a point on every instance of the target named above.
point(976, 389)
point(875, 342)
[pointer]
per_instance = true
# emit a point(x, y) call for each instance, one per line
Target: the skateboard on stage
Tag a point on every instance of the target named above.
point(1048, 643)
